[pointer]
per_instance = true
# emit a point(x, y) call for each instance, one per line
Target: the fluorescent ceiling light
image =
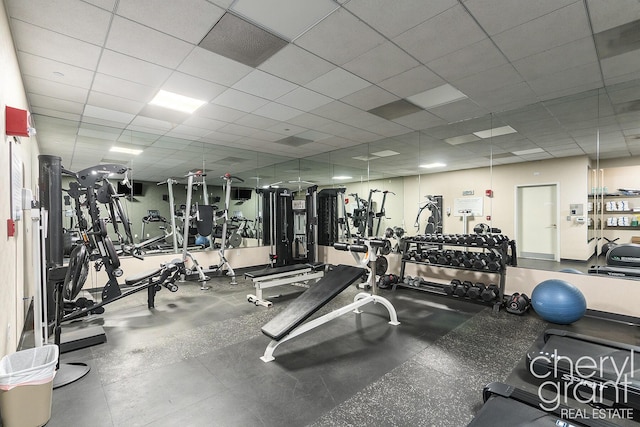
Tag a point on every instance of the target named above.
point(437, 96)
point(385, 153)
point(504, 130)
point(433, 165)
point(342, 177)
point(462, 139)
point(177, 102)
point(270, 186)
point(530, 151)
point(365, 158)
point(133, 151)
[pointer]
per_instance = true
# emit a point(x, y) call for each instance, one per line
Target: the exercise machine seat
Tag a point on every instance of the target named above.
point(335, 280)
point(279, 270)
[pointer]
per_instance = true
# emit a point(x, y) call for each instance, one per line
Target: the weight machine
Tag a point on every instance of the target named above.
point(434, 222)
point(278, 225)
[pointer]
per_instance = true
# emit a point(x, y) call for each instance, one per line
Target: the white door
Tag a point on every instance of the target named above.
point(537, 221)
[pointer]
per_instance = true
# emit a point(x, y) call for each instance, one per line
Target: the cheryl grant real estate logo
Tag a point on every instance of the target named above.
point(583, 381)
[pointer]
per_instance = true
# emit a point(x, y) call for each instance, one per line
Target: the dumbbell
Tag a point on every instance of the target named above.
point(417, 282)
point(491, 240)
point(456, 259)
point(386, 280)
point(491, 292)
point(475, 290)
point(408, 255)
point(439, 238)
point(463, 288)
point(466, 260)
point(444, 258)
point(432, 257)
point(469, 239)
point(494, 260)
point(480, 261)
point(450, 288)
point(448, 239)
point(407, 280)
point(460, 239)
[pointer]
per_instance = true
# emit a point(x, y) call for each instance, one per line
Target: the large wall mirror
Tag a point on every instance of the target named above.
point(576, 149)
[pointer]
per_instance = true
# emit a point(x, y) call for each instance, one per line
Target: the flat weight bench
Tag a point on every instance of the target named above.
point(290, 322)
point(288, 275)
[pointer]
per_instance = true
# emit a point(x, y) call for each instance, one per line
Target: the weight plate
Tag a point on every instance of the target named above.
point(234, 240)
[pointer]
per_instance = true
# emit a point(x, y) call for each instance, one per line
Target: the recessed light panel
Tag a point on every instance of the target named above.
point(530, 151)
point(365, 158)
point(504, 130)
point(177, 102)
point(433, 165)
point(125, 150)
point(462, 139)
point(342, 177)
point(437, 96)
point(385, 153)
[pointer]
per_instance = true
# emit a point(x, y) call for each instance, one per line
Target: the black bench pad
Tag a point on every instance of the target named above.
point(284, 269)
point(335, 280)
point(129, 281)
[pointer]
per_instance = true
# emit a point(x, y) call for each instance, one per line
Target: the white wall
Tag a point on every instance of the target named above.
point(16, 286)
point(570, 173)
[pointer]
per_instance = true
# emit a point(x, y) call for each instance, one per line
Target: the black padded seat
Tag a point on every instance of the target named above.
point(335, 280)
point(130, 281)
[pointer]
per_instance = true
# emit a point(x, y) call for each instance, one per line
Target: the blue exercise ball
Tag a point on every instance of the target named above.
point(201, 240)
point(557, 301)
point(571, 270)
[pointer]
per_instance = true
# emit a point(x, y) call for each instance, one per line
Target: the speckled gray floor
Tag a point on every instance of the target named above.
point(194, 361)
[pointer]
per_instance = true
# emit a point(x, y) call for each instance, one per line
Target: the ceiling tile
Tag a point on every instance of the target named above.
point(286, 18)
point(276, 111)
point(369, 97)
point(193, 87)
point(560, 58)
point(447, 32)
point(189, 20)
point(411, 82)
point(150, 45)
point(339, 38)
point(48, 44)
point(55, 89)
point(296, 65)
point(218, 112)
point(242, 41)
point(204, 123)
point(494, 78)
point(459, 110)
point(117, 103)
point(184, 131)
point(604, 16)
point(48, 102)
point(467, 61)
point(420, 120)
point(146, 124)
point(123, 88)
point(107, 114)
point(43, 68)
point(47, 112)
point(264, 85)
point(163, 114)
point(254, 121)
point(495, 16)
point(554, 29)
point(132, 69)
point(213, 67)
point(627, 64)
point(381, 62)
point(235, 99)
point(337, 83)
point(75, 19)
point(304, 99)
point(572, 77)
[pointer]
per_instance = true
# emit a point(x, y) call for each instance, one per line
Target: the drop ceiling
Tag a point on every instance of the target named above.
point(311, 89)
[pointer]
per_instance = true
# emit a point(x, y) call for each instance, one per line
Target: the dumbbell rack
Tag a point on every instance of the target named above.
point(422, 243)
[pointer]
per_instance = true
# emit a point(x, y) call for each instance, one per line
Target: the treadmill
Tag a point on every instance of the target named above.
point(610, 370)
point(622, 261)
point(505, 405)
